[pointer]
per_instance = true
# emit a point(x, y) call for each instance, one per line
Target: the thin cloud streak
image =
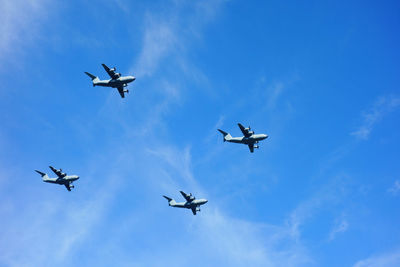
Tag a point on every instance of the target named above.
point(166, 39)
point(330, 194)
point(43, 233)
point(395, 189)
point(20, 23)
point(389, 259)
point(340, 227)
point(169, 34)
point(212, 132)
point(164, 167)
point(275, 91)
point(381, 108)
point(159, 39)
point(226, 240)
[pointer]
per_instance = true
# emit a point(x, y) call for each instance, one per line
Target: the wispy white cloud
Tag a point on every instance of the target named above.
point(272, 92)
point(243, 242)
point(220, 238)
point(179, 160)
point(167, 38)
point(389, 259)
point(340, 226)
point(122, 4)
point(20, 23)
point(171, 93)
point(159, 39)
point(213, 130)
point(275, 92)
point(381, 107)
point(395, 189)
point(328, 195)
point(169, 34)
point(51, 224)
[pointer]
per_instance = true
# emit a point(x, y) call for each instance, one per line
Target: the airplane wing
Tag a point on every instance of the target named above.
point(194, 210)
point(121, 91)
point(68, 187)
point(59, 173)
point(187, 197)
point(244, 130)
point(110, 72)
point(251, 147)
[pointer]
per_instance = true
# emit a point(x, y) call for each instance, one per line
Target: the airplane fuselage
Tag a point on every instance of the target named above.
point(192, 204)
point(65, 180)
point(253, 139)
point(115, 83)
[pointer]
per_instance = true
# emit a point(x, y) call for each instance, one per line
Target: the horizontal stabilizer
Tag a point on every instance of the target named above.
point(227, 136)
point(171, 202)
point(167, 198)
point(90, 75)
point(41, 173)
point(224, 133)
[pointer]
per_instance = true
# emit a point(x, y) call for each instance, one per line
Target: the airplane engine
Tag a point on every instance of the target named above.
point(256, 147)
point(126, 91)
point(248, 129)
point(197, 209)
point(113, 69)
point(71, 186)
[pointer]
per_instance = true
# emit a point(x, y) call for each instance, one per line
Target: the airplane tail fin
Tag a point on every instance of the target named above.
point(170, 200)
point(44, 175)
point(227, 136)
point(94, 78)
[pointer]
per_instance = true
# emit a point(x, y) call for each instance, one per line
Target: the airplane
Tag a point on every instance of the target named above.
point(62, 178)
point(116, 80)
point(191, 202)
point(249, 137)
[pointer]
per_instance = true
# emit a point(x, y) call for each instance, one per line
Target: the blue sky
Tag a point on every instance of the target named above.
point(319, 77)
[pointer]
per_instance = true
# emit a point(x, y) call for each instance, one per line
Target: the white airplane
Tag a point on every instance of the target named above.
point(116, 80)
point(62, 178)
point(249, 137)
point(191, 202)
